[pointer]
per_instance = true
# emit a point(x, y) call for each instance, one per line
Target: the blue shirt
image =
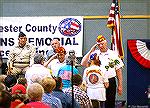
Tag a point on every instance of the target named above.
point(66, 99)
point(51, 100)
point(65, 73)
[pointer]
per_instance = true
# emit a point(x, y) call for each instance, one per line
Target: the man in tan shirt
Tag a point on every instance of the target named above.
point(21, 56)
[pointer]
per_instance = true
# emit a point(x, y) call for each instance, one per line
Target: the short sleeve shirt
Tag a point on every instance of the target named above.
point(110, 62)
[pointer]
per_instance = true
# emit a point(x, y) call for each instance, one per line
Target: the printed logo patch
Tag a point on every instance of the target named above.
point(69, 27)
point(93, 78)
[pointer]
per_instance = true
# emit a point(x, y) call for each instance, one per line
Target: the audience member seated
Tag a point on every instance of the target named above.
point(23, 81)
point(37, 71)
point(2, 86)
point(2, 78)
point(80, 95)
point(49, 84)
point(3, 67)
point(5, 99)
point(35, 92)
point(18, 96)
point(65, 98)
point(10, 81)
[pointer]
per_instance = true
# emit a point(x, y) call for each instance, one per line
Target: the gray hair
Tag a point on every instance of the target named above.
point(38, 59)
point(35, 91)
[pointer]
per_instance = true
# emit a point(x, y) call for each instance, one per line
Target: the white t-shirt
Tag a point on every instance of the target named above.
point(36, 73)
point(108, 60)
point(94, 76)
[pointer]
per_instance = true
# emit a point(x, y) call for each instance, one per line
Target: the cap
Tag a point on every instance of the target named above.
point(60, 50)
point(93, 56)
point(100, 38)
point(18, 89)
point(21, 34)
point(10, 80)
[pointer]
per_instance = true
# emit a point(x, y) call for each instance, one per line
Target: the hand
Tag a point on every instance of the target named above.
point(93, 48)
point(55, 56)
point(119, 90)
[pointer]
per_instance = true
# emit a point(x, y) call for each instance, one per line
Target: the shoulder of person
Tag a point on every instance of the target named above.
point(112, 53)
point(30, 45)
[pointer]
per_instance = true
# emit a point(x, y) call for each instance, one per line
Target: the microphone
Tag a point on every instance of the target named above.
point(71, 57)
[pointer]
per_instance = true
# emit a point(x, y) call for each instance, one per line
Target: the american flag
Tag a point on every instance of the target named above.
point(114, 24)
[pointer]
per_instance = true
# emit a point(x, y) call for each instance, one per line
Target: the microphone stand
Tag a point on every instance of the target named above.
point(72, 57)
point(72, 84)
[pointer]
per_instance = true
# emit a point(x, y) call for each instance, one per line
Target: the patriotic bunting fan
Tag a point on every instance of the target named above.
point(140, 50)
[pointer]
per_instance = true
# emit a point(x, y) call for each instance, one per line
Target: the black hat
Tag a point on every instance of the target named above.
point(10, 80)
point(21, 34)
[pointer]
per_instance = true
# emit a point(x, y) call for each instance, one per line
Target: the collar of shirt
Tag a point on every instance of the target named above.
point(105, 53)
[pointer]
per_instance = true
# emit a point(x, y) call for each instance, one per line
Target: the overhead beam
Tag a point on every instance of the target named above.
point(122, 17)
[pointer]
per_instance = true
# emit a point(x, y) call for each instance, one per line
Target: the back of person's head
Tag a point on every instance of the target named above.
point(22, 80)
point(5, 99)
point(38, 59)
point(2, 78)
point(35, 91)
point(58, 83)
point(48, 84)
point(77, 79)
point(18, 92)
point(94, 59)
point(2, 86)
point(10, 80)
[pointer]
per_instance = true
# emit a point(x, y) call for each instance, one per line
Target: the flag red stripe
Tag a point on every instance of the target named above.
point(114, 23)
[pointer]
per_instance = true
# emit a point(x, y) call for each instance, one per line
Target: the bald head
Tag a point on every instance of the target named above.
point(55, 43)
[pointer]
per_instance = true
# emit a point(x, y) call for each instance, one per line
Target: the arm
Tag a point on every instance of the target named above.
point(85, 59)
point(106, 84)
point(49, 60)
point(10, 61)
point(119, 77)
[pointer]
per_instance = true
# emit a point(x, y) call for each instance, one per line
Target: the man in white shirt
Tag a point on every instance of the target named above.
point(112, 64)
point(37, 71)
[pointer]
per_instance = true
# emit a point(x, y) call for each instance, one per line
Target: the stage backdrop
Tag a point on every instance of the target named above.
point(40, 31)
point(138, 73)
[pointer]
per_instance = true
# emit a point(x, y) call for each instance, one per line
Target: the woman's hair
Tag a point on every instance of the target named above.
point(35, 91)
point(21, 97)
point(58, 83)
point(48, 84)
point(77, 79)
point(22, 80)
point(5, 99)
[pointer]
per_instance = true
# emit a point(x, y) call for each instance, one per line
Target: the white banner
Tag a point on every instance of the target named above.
point(40, 31)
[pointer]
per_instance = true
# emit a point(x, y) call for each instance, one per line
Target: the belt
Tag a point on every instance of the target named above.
point(22, 62)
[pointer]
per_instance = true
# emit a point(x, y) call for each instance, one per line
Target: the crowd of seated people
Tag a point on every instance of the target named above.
point(36, 89)
point(47, 93)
